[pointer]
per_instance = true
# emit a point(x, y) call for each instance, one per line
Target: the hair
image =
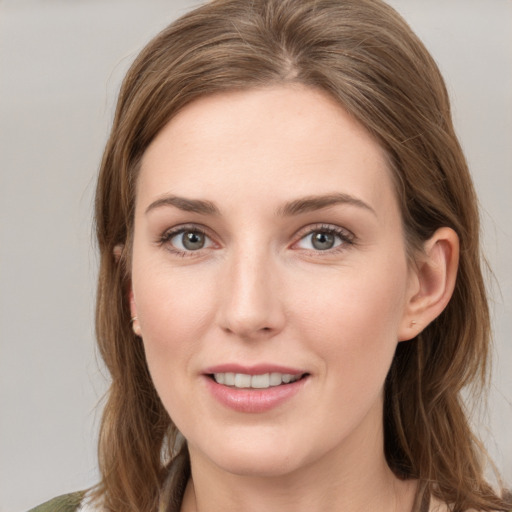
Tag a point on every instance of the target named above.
point(366, 57)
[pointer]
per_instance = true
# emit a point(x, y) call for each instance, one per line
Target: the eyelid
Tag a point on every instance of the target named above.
point(346, 236)
point(168, 234)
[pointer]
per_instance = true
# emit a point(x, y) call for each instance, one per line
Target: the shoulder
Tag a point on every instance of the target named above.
point(65, 503)
point(438, 506)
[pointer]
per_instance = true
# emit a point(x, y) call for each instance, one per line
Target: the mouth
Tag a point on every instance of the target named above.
point(258, 381)
point(254, 389)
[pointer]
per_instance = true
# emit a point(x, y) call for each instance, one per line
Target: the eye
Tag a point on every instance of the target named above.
point(185, 240)
point(325, 238)
point(189, 240)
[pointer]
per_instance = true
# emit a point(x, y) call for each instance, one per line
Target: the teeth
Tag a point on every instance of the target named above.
point(275, 379)
point(263, 381)
point(242, 380)
point(260, 381)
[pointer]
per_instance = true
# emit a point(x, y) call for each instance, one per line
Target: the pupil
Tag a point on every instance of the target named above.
point(323, 241)
point(193, 240)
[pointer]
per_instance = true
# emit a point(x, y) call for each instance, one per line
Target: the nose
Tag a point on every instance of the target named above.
point(251, 300)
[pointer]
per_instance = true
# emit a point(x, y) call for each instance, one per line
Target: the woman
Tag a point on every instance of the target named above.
point(290, 295)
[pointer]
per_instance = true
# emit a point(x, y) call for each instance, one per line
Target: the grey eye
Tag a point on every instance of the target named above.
point(322, 241)
point(189, 240)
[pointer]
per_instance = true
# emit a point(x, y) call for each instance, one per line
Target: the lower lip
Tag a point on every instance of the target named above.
point(251, 400)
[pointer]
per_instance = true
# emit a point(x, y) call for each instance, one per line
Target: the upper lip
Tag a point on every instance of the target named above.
point(257, 369)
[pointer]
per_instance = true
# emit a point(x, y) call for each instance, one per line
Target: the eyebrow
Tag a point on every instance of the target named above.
point(187, 205)
point(312, 203)
point(295, 207)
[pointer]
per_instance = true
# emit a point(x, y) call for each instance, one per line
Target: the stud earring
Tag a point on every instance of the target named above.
point(135, 326)
point(413, 323)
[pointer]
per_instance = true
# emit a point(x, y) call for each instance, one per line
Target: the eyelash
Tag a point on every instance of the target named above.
point(346, 237)
point(168, 235)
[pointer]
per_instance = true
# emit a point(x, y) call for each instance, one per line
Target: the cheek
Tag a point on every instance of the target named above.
point(171, 302)
point(174, 309)
point(353, 321)
point(352, 301)
point(174, 312)
point(356, 341)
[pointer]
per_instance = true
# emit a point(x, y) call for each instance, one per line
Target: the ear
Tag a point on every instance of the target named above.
point(133, 313)
point(431, 283)
point(118, 252)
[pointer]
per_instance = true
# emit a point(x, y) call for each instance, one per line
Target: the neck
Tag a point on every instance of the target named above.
point(354, 477)
point(287, 495)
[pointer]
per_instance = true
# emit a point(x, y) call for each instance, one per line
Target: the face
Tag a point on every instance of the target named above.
point(269, 278)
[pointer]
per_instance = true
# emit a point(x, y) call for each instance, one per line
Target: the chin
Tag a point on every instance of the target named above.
point(273, 466)
point(269, 458)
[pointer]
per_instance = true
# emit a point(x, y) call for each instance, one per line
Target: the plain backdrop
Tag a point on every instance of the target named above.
point(61, 63)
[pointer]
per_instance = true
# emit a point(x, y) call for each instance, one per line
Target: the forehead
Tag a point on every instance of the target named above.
point(279, 142)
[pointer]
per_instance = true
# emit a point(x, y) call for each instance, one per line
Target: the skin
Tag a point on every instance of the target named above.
point(260, 291)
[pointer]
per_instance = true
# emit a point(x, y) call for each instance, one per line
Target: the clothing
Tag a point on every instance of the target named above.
point(65, 503)
point(75, 502)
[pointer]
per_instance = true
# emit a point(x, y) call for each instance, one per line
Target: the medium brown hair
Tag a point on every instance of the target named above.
point(366, 57)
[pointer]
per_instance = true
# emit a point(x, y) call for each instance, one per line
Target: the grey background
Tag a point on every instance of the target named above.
point(61, 63)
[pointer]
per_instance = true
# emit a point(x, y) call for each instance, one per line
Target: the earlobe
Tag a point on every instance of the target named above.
point(434, 281)
point(118, 252)
point(133, 313)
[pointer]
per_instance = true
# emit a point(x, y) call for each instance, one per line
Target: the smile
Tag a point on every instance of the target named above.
point(262, 381)
point(254, 392)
